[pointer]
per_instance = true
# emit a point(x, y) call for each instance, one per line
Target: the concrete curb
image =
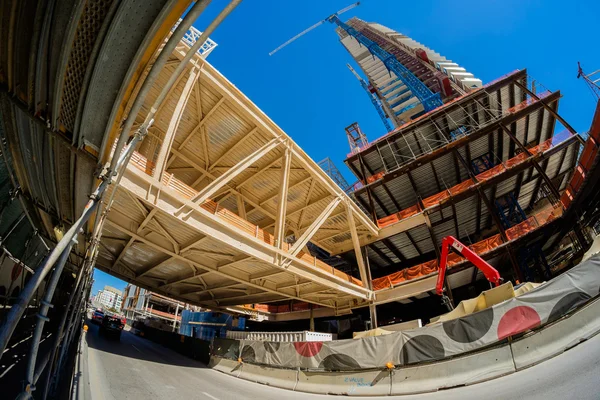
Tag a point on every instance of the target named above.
point(488, 364)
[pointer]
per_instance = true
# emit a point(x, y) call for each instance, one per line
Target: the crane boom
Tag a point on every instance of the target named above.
point(304, 32)
point(376, 102)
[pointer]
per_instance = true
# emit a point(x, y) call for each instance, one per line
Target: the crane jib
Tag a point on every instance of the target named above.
point(429, 99)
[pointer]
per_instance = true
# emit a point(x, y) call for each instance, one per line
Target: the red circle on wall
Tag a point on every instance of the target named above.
point(517, 320)
point(308, 349)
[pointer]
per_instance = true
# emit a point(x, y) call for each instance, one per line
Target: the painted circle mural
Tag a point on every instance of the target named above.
point(566, 304)
point(339, 362)
point(271, 347)
point(471, 327)
point(422, 348)
point(308, 349)
point(517, 320)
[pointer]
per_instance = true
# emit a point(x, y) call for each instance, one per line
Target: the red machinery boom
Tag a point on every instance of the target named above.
point(451, 242)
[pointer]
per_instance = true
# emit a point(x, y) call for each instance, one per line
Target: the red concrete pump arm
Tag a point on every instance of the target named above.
point(451, 242)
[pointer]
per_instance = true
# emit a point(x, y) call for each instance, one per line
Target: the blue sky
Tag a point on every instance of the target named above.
point(307, 89)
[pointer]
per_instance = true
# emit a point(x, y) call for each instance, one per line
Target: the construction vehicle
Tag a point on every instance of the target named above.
point(450, 242)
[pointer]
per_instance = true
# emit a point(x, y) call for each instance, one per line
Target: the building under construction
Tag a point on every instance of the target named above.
point(489, 166)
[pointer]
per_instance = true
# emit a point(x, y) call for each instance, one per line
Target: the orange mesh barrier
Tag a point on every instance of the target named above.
point(392, 219)
point(516, 160)
point(588, 155)
point(429, 267)
point(461, 187)
point(375, 177)
point(453, 259)
point(435, 199)
point(547, 215)
point(408, 212)
point(486, 245)
point(389, 220)
point(521, 229)
point(413, 272)
point(521, 105)
point(388, 281)
point(577, 179)
point(188, 192)
point(540, 148)
point(490, 173)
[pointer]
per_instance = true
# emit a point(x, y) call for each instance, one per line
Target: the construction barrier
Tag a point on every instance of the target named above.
point(467, 370)
point(558, 337)
point(355, 383)
point(488, 363)
point(278, 377)
point(435, 342)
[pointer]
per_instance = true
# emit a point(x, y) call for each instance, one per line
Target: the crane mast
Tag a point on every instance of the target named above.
point(429, 99)
point(374, 99)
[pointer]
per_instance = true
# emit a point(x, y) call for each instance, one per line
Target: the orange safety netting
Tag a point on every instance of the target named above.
point(522, 228)
point(516, 160)
point(375, 177)
point(461, 187)
point(540, 148)
point(482, 247)
point(188, 192)
point(392, 219)
point(435, 199)
point(485, 245)
point(490, 173)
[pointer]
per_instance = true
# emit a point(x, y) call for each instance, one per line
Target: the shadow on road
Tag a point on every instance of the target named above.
point(132, 346)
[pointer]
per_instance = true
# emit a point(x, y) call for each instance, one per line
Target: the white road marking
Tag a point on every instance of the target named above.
point(7, 369)
point(136, 348)
point(210, 395)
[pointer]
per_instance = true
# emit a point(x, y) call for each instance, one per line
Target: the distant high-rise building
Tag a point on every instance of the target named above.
point(398, 101)
point(110, 297)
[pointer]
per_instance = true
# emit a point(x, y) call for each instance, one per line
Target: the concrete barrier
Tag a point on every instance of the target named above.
point(484, 365)
point(281, 378)
point(229, 367)
point(362, 383)
point(554, 339)
point(459, 371)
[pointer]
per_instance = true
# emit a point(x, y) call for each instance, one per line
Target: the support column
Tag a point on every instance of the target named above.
point(165, 149)
point(175, 319)
point(373, 315)
point(284, 183)
point(312, 320)
point(356, 244)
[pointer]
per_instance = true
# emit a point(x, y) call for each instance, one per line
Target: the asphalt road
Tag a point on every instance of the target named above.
point(136, 368)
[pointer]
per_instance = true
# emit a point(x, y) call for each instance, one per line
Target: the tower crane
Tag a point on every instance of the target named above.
point(425, 96)
point(374, 99)
point(594, 84)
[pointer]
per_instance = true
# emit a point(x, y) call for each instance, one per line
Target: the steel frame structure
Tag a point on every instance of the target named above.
point(429, 100)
